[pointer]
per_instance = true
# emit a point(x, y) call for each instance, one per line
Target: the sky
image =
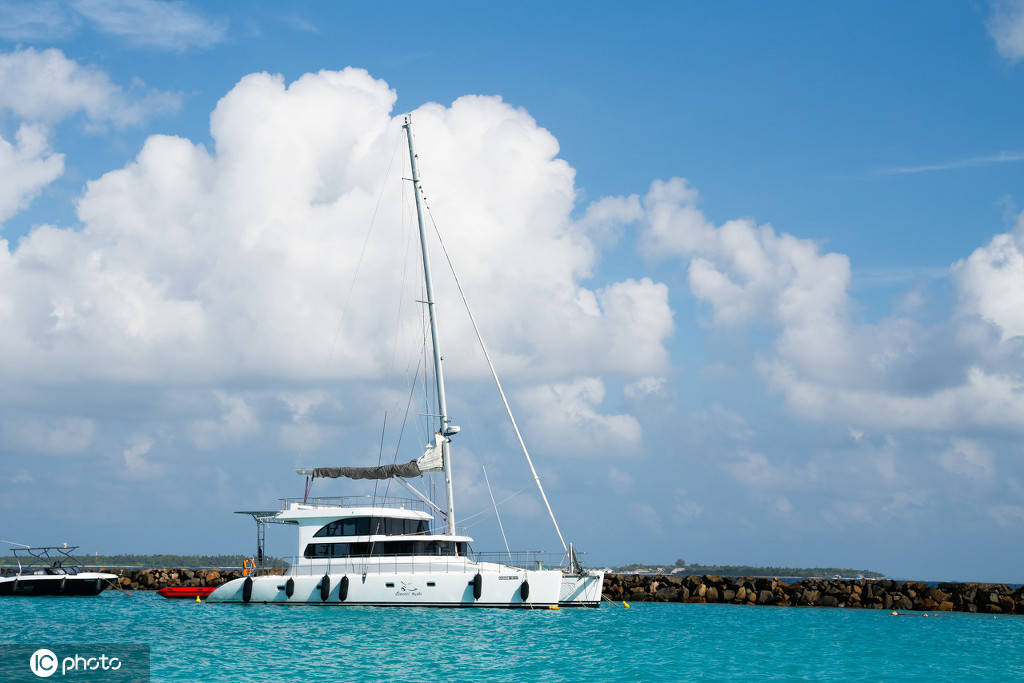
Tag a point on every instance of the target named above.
point(752, 274)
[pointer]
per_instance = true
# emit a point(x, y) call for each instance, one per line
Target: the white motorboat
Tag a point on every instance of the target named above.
point(51, 570)
point(391, 552)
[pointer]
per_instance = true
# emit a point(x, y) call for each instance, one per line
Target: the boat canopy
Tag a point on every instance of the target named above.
point(431, 461)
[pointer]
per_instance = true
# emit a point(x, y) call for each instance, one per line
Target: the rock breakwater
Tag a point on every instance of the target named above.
point(986, 598)
point(884, 594)
point(155, 579)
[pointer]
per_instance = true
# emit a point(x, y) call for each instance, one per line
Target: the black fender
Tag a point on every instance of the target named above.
point(343, 589)
point(325, 588)
point(524, 590)
point(478, 586)
point(289, 587)
point(247, 589)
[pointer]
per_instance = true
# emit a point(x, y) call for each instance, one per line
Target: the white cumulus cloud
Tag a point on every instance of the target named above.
point(26, 167)
point(990, 282)
point(564, 418)
point(45, 86)
point(606, 218)
point(1006, 26)
point(196, 264)
point(896, 373)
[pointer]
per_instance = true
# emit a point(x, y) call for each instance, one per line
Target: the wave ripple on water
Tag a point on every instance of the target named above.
point(212, 642)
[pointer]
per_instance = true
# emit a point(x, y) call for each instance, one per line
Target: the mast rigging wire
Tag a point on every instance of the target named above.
point(500, 525)
point(380, 456)
point(500, 503)
point(497, 382)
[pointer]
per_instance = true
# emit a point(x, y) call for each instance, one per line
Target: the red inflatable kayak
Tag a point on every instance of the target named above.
point(191, 592)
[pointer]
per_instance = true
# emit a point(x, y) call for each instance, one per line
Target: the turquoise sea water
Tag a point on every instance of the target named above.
point(217, 642)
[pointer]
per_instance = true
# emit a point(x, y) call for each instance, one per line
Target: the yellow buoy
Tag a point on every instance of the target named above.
point(552, 606)
point(625, 604)
point(197, 599)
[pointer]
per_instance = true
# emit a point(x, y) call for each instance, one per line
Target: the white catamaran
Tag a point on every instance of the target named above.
point(388, 551)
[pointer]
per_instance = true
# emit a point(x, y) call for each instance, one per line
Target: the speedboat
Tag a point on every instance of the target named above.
point(51, 570)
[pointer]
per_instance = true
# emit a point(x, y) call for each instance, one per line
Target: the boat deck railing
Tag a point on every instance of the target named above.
point(383, 564)
point(527, 559)
point(51, 559)
point(358, 501)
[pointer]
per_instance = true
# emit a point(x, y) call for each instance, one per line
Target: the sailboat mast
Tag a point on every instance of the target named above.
point(442, 404)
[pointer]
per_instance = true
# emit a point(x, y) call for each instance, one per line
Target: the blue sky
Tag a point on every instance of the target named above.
point(753, 273)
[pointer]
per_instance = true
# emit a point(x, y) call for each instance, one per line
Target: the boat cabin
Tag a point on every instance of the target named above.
point(337, 531)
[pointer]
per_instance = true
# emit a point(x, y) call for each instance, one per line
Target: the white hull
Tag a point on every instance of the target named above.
point(581, 591)
point(498, 588)
point(338, 567)
point(47, 583)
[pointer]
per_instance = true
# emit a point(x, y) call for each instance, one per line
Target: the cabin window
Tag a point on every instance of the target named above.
point(404, 527)
point(317, 549)
point(332, 529)
point(376, 526)
point(383, 548)
point(327, 550)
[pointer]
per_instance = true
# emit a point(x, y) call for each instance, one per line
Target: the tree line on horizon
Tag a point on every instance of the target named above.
point(750, 570)
point(162, 560)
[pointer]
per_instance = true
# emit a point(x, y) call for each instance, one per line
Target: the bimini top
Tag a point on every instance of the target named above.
point(431, 461)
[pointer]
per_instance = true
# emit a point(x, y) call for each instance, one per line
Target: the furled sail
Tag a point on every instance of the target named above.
point(431, 461)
